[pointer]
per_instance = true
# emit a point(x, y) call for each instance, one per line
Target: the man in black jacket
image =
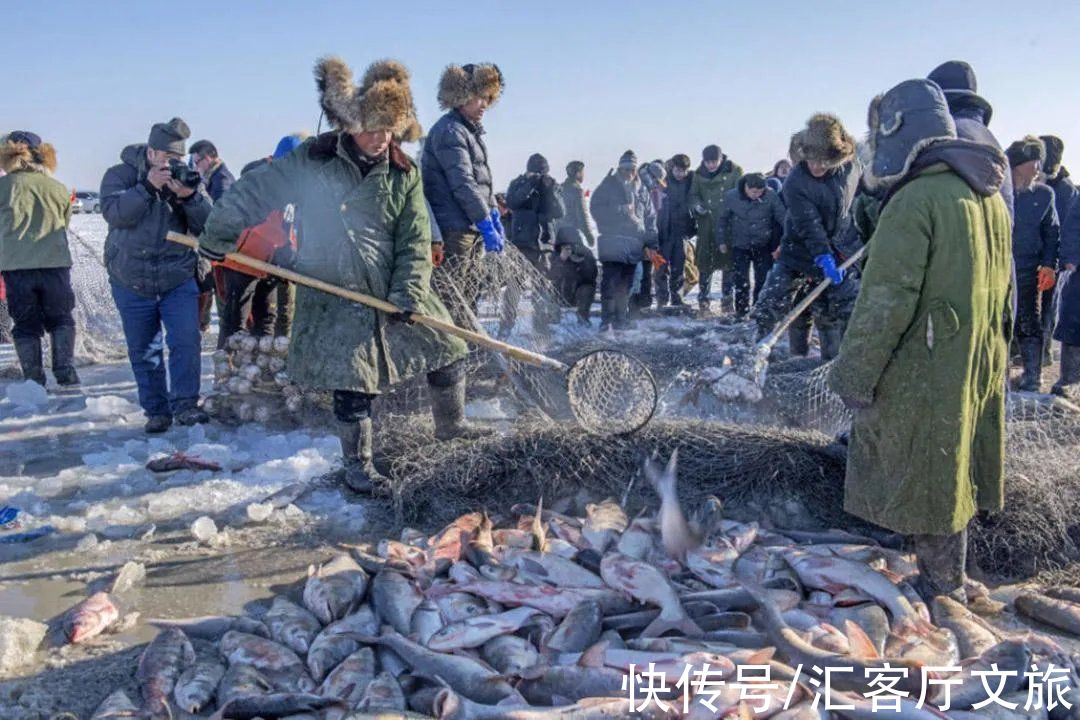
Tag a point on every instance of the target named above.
point(750, 226)
point(1035, 252)
point(675, 225)
point(818, 194)
point(535, 203)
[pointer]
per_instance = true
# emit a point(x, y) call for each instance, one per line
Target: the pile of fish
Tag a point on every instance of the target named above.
point(540, 614)
point(251, 380)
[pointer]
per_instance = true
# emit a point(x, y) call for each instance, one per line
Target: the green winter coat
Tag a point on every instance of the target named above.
point(926, 349)
point(708, 193)
point(34, 213)
point(369, 234)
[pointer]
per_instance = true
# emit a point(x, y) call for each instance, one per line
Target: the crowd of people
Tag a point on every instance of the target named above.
point(963, 251)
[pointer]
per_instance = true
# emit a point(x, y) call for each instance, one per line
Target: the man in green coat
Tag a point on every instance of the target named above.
point(715, 176)
point(364, 226)
point(34, 257)
point(925, 356)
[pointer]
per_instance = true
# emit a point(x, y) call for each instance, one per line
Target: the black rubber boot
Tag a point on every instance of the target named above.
point(799, 340)
point(157, 424)
point(358, 471)
point(29, 353)
point(830, 336)
point(1068, 385)
point(63, 356)
point(1031, 355)
point(448, 412)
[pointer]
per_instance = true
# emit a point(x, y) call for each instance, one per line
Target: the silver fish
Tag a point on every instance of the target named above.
point(474, 632)
point(277, 705)
point(291, 625)
point(395, 599)
point(604, 522)
point(337, 642)
point(333, 590)
point(457, 606)
point(160, 664)
point(637, 540)
point(90, 618)
point(646, 584)
point(349, 680)
point(212, 627)
point(427, 620)
point(117, 705)
point(676, 534)
point(510, 655)
point(277, 663)
point(452, 706)
point(197, 685)
point(551, 569)
point(242, 680)
point(383, 693)
point(1062, 614)
point(579, 630)
point(972, 637)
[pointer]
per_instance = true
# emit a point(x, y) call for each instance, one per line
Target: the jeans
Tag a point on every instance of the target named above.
point(741, 261)
point(615, 293)
point(149, 323)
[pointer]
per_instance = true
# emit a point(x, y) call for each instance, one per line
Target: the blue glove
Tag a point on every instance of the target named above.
point(827, 263)
point(496, 220)
point(493, 241)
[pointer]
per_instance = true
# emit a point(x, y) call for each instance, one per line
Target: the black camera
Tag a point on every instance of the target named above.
point(184, 175)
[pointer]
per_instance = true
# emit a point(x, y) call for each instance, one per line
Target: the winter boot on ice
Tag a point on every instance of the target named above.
point(157, 424)
point(448, 412)
point(193, 415)
point(1068, 386)
point(29, 352)
point(358, 471)
point(830, 336)
point(63, 356)
point(799, 340)
point(1031, 354)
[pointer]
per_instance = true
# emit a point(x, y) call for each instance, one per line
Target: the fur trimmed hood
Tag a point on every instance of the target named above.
point(382, 101)
point(18, 156)
point(823, 140)
point(903, 123)
point(460, 83)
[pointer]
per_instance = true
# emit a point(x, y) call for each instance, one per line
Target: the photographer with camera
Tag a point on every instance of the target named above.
point(154, 285)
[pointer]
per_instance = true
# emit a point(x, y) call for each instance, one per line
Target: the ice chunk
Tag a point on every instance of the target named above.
point(28, 395)
point(259, 512)
point(131, 574)
point(109, 406)
point(204, 529)
point(88, 543)
point(49, 487)
point(19, 640)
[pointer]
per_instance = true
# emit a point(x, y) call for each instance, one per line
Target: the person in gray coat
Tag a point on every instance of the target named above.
point(153, 280)
point(626, 219)
point(573, 194)
point(750, 226)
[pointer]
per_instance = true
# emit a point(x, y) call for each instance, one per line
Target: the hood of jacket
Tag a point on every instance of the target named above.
point(982, 167)
point(134, 156)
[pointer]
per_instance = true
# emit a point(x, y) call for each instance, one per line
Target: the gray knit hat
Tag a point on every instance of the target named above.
point(628, 160)
point(170, 136)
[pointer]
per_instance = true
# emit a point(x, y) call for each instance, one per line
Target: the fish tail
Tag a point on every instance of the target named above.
point(661, 625)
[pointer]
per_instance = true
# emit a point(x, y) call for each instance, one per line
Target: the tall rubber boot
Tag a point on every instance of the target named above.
point(1068, 385)
point(1031, 355)
point(29, 352)
point(63, 356)
point(799, 339)
point(448, 412)
point(358, 471)
point(830, 337)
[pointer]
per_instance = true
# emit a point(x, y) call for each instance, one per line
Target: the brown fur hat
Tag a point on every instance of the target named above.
point(16, 156)
point(460, 83)
point(823, 140)
point(383, 100)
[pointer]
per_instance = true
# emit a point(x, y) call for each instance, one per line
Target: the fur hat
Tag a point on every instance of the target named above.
point(18, 151)
point(1026, 150)
point(903, 122)
point(382, 101)
point(1055, 149)
point(823, 140)
point(461, 83)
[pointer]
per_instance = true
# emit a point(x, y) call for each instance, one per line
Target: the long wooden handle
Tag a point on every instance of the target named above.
point(766, 344)
point(475, 338)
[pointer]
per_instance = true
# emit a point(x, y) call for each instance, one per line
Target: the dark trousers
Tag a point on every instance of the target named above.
point(742, 260)
point(783, 285)
point(39, 301)
point(942, 562)
point(459, 277)
point(516, 287)
point(615, 293)
point(669, 278)
point(151, 322)
point(1029, 324)
point(351, 406)
point(1067, 329)
point(704, 287)
point(246, 295)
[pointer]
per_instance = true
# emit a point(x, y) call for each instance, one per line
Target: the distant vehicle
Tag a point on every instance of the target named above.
point(86, 202)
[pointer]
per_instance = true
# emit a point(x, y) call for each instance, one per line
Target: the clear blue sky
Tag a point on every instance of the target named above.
point(586, 79)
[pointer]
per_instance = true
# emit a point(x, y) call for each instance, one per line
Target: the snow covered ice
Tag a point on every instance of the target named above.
point(26, 395)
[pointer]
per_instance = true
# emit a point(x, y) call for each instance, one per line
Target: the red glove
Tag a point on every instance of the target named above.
point(437, 254)
point(655, 258)
point(1047, 278)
